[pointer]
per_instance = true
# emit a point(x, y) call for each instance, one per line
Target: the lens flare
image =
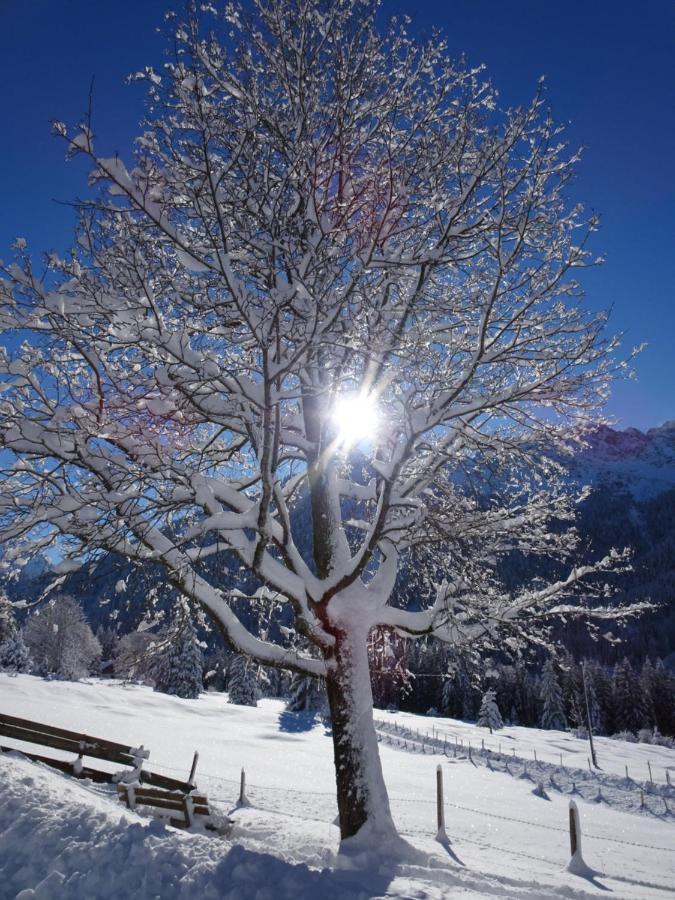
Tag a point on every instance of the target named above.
point(355, 417)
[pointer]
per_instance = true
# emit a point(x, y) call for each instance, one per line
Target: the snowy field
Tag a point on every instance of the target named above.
point(61, 839)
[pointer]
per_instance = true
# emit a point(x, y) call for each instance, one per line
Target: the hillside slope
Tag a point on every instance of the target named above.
point(505, 840)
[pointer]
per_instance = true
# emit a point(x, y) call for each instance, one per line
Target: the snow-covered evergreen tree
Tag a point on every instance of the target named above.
point(14, 654)
point(572, 687)
point(629, 711)
point(109, 641)
point(646, 684)
point(241, 683)
point(552, 711)
point(595, 687)
point(306, 694)
point(663, 698)
point(60, 640)
point(7, 622)
point(489, 715)
point(178, 669)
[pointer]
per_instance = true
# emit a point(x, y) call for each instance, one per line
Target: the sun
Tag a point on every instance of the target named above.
point(355, 417)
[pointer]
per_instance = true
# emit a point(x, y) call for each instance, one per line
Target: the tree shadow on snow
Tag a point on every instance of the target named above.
point(296, 722)
point(245, 872)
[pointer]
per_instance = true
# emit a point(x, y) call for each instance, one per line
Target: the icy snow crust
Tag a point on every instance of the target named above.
point(60, 838)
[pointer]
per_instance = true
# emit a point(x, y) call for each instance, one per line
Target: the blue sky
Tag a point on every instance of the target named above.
point(610, 71)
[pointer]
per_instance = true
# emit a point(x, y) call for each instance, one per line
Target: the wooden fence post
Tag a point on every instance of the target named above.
point(576, 865)
point(575, 830)
point(440, 811)
point(193, 769)
point(243, 799)
point(187, 810)
point(649, 766)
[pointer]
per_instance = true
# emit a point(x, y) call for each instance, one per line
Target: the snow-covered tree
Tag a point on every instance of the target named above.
point(7, 620)
point(14, 654)
point(552, 710)
point(596, 686)
point(109, 640)
point(629, 707)
point(335, 269)
point(178, 669)
point(663, 697)
point(489, 715)
point(241, 683)
point(60, 640)
point(306, 694)
point(136, 656)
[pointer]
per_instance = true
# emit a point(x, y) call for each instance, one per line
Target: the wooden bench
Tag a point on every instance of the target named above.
point(73, 742)
point(188, 805)
point(164, 792)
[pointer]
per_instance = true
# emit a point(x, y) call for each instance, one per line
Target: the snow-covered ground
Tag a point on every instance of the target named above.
point(60, 838)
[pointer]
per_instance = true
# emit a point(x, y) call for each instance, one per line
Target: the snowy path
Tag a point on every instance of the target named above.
point(509, 842)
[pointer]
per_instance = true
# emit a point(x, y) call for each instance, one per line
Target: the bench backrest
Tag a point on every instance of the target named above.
point(70, 741)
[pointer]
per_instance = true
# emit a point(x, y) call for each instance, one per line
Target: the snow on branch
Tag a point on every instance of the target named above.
point(362, 226)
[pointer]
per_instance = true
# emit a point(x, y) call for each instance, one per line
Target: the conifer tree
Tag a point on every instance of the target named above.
point(449, 696)
point(109, 641)
point(601, 699)
point(573, 693)
point(553, 711)
point(241, 684)
point(627, 700)
point(489, 715)
point(590, 674)
point(179, 668)
point(306, 695)
point(14, 654)
point(663, 695)
point(7, 623)
point(646, 685)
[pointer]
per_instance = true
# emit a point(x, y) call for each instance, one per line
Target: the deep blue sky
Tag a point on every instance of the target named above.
point(610, 70)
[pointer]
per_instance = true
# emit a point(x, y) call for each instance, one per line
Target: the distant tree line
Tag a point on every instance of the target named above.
point(549, 693)
point(556, 692)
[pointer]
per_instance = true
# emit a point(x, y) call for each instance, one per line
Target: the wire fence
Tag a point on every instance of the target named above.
point(273, 800)
point(648, 797)
point(263, 792)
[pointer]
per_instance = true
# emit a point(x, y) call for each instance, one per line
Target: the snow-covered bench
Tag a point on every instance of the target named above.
point(189, 806)
point(162, 792)
point(73, 742)
point(84, 745)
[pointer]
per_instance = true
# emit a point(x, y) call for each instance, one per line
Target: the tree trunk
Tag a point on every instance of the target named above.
point(362, 798)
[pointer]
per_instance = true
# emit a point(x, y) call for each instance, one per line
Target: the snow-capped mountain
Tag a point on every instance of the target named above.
point(642, 463)
point(632, 505)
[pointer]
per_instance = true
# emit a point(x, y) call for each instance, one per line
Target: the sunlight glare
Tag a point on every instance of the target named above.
point(356, 419)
